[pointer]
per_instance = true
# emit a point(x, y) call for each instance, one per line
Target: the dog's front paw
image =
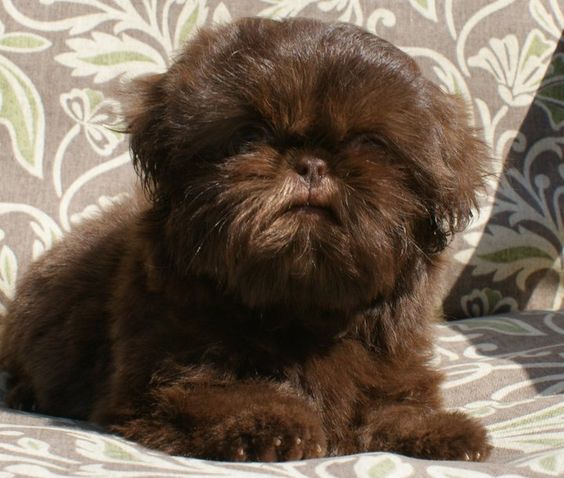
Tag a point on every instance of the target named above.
point(454, 436)
point(438, 434)
point(231, 425)
point(270, 432)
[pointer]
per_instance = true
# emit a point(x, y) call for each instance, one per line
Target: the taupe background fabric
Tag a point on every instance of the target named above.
point(505, 370)
point(61, 63)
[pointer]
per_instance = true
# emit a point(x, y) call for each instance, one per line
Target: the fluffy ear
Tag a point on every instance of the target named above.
point(144, 106)
point(459, 166)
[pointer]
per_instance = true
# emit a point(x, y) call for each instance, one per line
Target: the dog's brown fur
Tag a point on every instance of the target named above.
point(272, 297)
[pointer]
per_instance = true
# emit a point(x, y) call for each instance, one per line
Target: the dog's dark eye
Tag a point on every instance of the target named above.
point(246, 139)
point(366, 141)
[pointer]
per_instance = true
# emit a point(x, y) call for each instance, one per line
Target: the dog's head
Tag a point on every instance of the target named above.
point(302, 164)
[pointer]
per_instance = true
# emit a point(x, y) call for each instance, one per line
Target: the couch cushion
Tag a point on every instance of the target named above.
point(506, 370)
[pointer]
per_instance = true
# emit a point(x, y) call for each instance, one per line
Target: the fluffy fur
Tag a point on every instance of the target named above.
point(270, 295)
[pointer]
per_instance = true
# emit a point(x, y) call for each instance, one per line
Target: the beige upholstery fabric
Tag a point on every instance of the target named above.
point(61, 63)
point(507, 370)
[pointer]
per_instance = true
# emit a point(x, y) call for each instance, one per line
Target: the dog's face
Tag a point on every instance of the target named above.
point(302, 164)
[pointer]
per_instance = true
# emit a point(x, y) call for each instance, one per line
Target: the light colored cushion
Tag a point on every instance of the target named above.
point(505, 370)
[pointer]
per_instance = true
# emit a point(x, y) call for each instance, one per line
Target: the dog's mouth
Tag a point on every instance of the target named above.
point(310, 210)
point(313, 206)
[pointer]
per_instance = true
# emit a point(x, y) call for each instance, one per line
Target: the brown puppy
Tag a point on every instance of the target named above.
point(272, 297)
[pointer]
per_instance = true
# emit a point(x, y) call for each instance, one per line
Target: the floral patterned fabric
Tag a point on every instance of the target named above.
point(506, 370)
point(61, 63)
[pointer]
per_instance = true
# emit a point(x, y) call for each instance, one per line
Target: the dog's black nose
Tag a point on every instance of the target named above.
point(311, 169)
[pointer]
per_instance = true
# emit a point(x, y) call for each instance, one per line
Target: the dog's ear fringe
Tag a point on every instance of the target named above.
point(144, 105)
point(461, 172)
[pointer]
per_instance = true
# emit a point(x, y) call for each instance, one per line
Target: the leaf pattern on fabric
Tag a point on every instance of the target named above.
point(23, 42)
point(21, 112)
point(518, 72)
point(8, 271)
point(107, 57)
point(502, 325)
point(551, 93)
point(98, 42)
point(427, 8)
point(486, 302)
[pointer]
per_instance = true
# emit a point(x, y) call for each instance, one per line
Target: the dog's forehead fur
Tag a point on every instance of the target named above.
point(224, 118)
point(301, 76)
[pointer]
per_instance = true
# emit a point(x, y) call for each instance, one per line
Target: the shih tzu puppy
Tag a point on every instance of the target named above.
point(270, 296)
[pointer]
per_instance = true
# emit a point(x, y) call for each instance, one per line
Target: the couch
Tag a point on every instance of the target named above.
point(502, 348)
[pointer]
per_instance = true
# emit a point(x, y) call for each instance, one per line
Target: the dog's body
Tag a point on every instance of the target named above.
point(272, 297)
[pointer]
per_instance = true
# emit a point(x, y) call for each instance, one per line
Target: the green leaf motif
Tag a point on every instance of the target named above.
point(521, 428)
point(550, 96)
point(23, 42)
point(538, 47)
point(8, 271)
point(513, 254)
point(545, 441)
point(188, 26)
point(221, 14)
point(194, 13)
point(21, 111)
point(427, 8)
point(116, 58)
point(383, 469)
point(382, 466)
point(108, 56)
point(114, 451)
point(33, 444)
point(548, 463)
point(94, 98)
point(493, 296)
point(502, 325)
